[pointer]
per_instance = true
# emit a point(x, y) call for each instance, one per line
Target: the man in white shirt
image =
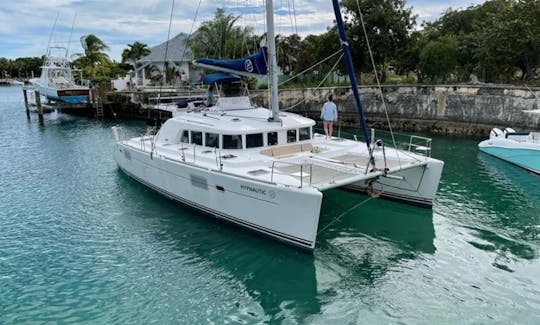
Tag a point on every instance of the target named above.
point(329, 116)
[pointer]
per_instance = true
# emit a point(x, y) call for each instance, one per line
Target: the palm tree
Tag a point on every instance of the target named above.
point(220, 37)
point(134, 52)
point(93, 51)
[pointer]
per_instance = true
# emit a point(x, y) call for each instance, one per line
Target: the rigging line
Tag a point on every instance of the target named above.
point(310, 68)
point(377, 78)
point(318, 86)
point(165, 55)
point(291, 17)
point(50, 35)
point(70, 34)
point(531, 91)
point(190, 31)
point(344, 213)
point(294, 15)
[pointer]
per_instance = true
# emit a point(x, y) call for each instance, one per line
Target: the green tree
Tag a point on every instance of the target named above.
point(388, 24)
point(438, 59)
point(93, 52)
point(288, 50)
point(134, 52)
point(221, 38)
point(509, 40)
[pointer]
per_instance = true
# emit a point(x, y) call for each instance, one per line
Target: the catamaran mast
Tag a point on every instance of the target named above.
point(350, 69)
point(272, 62)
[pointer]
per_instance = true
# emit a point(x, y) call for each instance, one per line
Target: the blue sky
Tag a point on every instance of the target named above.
point(25, 26)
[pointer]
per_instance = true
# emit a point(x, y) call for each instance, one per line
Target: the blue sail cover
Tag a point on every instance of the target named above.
point(220, 78)
point(254, 64)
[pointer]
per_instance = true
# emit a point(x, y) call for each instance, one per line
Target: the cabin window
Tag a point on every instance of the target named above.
point(272, 139)
point(232, 141)
point(212, 140)
point(304, 133)
point(291, 136)
point(254, 140)
point(196, 137)
point(185, 136)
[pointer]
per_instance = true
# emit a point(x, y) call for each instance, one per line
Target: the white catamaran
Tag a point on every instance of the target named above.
point(267, 170)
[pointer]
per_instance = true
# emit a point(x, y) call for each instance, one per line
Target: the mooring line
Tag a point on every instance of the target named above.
point(344, 213)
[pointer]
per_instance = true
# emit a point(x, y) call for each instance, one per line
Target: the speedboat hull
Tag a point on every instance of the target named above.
point(68, 95)
point(523, 154)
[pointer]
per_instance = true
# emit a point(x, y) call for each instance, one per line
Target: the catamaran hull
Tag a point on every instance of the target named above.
point(524, 155)
point(287, 214)
point(416, 185)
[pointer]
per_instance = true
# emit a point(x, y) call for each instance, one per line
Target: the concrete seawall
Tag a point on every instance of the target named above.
point(448, 109)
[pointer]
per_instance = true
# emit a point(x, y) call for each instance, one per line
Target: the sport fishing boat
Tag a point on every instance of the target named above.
point(519, 148)
point(56, 81)
point(264, 169)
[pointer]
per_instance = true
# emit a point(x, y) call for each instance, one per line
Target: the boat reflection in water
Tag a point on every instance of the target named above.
point(509, 223)
point(282, 284)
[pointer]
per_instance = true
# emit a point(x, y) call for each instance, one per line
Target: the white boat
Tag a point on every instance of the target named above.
point(519, 148)
point(267, 170)
point(56, 81)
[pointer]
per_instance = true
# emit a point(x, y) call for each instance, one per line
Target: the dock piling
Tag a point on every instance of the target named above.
point(26, 103)
point(38, 105)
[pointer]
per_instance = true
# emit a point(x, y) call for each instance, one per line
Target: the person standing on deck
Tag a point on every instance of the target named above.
point(329, 116)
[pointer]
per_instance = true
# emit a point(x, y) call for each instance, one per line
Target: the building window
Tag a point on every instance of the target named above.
point(304, 133)
point(212, 140)
point(272, 139)
point(196, 137)
point(254, 140)
point(232, 141)
point(291, 136)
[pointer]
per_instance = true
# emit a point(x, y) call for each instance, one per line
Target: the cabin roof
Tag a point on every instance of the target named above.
point(235, 122)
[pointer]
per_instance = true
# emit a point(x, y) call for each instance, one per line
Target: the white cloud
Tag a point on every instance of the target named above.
point(25, 25)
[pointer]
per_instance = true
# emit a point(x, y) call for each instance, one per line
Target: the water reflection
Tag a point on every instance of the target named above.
point(373, 237)
point(281, 280)
point(497, 202)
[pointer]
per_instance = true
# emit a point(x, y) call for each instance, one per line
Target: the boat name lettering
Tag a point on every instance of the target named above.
point(253, 189)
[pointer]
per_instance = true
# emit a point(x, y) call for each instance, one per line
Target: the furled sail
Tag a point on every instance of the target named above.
point(251, 66)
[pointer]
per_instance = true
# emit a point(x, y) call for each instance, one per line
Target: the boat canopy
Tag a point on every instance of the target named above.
point(250, 66)
point(220, 78)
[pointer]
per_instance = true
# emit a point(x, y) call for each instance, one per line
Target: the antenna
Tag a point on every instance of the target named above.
point(71, 33)
point(52, 32)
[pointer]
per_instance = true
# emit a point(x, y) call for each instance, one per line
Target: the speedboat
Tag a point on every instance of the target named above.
point(56, 81)
point(267, 170)
point(519, 148)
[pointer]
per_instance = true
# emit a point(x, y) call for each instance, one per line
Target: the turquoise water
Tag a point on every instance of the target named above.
point(82, 243)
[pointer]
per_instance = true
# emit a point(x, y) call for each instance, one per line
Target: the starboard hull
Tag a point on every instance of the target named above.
point(416, 186)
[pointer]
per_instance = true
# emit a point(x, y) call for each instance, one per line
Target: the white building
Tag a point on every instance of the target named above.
point(178, 57)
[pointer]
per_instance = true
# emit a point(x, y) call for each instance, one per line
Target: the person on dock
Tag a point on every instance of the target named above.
point(329, 116)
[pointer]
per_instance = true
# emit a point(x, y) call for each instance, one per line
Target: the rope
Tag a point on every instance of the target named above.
point(165, 55)
point(310, 68)
point(191, 30)
point(343, 214)
point(318, 86)
point(377, 79)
